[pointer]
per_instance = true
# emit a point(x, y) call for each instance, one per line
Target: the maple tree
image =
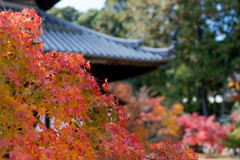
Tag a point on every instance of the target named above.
point(147, 118)
point(203, 131)
point(87, 124)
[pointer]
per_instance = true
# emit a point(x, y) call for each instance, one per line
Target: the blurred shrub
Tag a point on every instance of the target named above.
point(147, 118)
point(236, 113)
point(233, 140)
point(203, 131)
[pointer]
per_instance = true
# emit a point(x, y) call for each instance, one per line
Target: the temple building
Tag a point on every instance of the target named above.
point(111, 57)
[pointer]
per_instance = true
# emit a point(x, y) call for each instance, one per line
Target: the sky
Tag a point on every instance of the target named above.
point(81, 5)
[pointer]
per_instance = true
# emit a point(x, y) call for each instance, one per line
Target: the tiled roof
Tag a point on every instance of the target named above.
point(64, 36)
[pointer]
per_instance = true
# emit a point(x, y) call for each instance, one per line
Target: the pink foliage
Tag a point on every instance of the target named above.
point(203, 131)
point(235, 117)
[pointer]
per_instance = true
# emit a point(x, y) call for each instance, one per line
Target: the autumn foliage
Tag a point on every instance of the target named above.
point(203, 131)
point(171, 151)
point(151, 121)
point(147, 118)
point(86, 123)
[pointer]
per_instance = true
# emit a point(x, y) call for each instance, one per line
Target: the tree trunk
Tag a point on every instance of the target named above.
point(203, 97)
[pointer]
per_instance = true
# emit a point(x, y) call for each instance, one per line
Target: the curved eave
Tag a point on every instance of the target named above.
point(113, 62)
point(157, 50)
point(80, 28)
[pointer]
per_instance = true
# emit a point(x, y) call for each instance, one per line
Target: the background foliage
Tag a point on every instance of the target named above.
point(152, 122)
point(206, 35)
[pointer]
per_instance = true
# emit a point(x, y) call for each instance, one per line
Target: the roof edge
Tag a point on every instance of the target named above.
point(157, 50)
point(113, 62)
point(123, 41)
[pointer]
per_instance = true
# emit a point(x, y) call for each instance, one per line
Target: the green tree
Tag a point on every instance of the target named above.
point(203, 60)
point(70, 14)
point(86, 19)
point(67, 13)
point(137, 19)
